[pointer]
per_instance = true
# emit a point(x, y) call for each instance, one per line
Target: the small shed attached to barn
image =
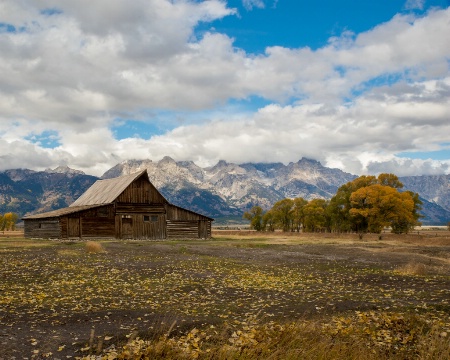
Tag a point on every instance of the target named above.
point(127, 207)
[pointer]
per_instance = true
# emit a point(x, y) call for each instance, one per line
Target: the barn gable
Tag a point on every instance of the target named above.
point(107, 191)
point(128, 207)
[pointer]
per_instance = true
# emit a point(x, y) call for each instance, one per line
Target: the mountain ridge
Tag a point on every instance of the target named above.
point(222, 190)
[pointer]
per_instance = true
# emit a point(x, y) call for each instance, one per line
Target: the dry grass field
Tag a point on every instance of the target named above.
point(240, 295)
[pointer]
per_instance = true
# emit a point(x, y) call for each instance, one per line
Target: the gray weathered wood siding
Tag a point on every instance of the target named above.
point(185, 224)
point(188, 229)
point(177, 213)
point(42, 228)
point(179, 229)
point(204, 229)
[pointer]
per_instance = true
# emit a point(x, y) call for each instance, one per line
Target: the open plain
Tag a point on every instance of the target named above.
point(239, 295)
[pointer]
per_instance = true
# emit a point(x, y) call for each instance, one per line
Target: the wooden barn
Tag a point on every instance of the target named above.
point(127, 207)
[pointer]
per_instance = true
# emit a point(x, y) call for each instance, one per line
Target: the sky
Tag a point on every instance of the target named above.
point(363, 86)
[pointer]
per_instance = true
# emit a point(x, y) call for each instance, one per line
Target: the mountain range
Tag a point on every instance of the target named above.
point(223, 191)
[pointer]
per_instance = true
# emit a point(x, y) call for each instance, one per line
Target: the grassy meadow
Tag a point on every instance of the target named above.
point(240, 295)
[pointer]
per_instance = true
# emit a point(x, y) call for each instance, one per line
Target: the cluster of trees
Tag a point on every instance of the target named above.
point(366, 204)
point(8, 221)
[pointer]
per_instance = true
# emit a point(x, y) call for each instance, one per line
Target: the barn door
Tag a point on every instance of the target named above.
point(74, 227)
point(127, 228)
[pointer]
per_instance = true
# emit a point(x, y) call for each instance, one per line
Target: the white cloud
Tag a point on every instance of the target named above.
point(414, 4)
point(250, 4)
point(77, 70)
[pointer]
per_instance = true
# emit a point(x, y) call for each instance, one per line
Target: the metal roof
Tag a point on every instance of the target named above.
point(60, 212)
point(106, 191)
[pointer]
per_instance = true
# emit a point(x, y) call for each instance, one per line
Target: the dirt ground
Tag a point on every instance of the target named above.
point(57, 301)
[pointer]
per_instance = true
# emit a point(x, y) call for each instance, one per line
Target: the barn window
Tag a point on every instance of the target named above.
point(154, 218)
point(47, 224)
point(146, 218)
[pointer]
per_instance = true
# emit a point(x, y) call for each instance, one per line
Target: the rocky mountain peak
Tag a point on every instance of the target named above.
point(167, 160)
point(309, 162)
point(64, 169)
point(19, 174)
point(221, 165)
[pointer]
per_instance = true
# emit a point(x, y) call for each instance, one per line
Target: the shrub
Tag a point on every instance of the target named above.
point(94, 247)
point(413, 268)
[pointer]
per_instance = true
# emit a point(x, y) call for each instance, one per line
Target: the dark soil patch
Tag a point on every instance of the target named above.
point(57, 301)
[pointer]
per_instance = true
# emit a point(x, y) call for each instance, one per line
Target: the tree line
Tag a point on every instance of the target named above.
point(8, 221)
point(366, 204)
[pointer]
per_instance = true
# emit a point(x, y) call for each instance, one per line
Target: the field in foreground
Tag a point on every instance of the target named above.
point(240, 295)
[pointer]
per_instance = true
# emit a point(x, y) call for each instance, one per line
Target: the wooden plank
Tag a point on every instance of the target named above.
point(122, 208)
point(98, 227)
point(42, 228)
point(182, 229)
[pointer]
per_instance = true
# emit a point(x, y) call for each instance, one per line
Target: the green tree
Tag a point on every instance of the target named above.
point(282, 213)
point(340, 205)
point(255, 216)
point(268, 221)
point(298, 214)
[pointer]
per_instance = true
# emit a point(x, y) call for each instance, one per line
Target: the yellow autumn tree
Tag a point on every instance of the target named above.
point(369, 203)
point(8, 221)
point(315, 215)
point(381, 206)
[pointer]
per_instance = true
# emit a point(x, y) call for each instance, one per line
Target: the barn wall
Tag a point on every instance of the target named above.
point(63, 221)
point(204, 229)
point(47, 228)
point(177, 213)
point(124, 208)
point(188, 229)
point(179, 229)
point(141, 191)
point(97, 227)
point(141, 226)
point(185, 224)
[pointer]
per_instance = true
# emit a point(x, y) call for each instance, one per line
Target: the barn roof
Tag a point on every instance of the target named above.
point(60, 212)
point(106, 191)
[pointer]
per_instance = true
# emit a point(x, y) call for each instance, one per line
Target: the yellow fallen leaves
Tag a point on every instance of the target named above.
point(391, 332)
point(52, 286)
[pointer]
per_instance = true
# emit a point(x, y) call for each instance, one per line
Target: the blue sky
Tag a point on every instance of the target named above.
point(359, 85)
point(296, 24)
